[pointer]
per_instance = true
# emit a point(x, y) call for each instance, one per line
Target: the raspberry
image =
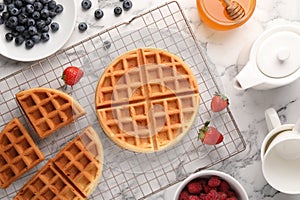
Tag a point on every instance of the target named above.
point(224, 186)
point(231, 194)
point(214, 181)
point(194, 197)
point(207, 189)
point(232, 198)
point(212, 195)
point(202, 196)
point(184, 195)
point(194, 187)
point(222, 196)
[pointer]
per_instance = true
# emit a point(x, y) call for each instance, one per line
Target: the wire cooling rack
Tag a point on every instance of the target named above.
point(126, 174)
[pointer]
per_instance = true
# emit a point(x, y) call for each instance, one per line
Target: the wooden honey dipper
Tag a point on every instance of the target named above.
point(234, 9)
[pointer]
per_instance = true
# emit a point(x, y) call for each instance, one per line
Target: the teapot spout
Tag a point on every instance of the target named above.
point(248, 77)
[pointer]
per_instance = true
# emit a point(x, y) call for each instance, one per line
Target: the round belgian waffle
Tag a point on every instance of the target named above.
point(146, 100)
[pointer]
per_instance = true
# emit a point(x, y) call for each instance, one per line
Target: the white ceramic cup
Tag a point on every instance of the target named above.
point(280, 154)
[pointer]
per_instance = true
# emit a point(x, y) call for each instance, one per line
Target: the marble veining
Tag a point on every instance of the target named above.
point(222, 50)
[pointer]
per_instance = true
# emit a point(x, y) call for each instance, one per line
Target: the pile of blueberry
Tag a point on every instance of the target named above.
point(98, 13)
point(29, 21)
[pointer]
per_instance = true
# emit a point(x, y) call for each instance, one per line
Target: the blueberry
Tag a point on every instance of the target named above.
point(45, 13)
point(14, 11)
point(106, 44)
point(127, 4)
point(54, 26)
point(30, 1)
point(15, 33)
point(86, 4)
point(19, 40)
point(10, 6)
point(44, 1)
point(22, 18)
point(5, 15)
point(29, 44)
point(29, 8)
point(118, 11)
point(36, 15)
point(26, 35)
point(9, 37)
point(20, 28)
point(18, 4)
point(30, 22)
point(98, 14)
point(13, 21)
point(38, 6)
point(40, 24)
point(45, 37)
point(82, 26)
point(36, 38)
point(2, 7)
point(48, 21)
point(59, 8)
point(32, 30)
point(52, 4)
point(45, 29)
point(6, 2)
point(1, 20)
point(52, 14)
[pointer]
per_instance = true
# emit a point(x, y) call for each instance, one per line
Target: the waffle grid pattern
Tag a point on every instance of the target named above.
point(71, 174)
point(81, 161)
point(18, 153)
point(126, 174)
point(154, 121)
point(48, 109)
point(48, 184)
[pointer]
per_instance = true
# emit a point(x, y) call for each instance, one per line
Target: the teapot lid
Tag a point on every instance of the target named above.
point(278, 54)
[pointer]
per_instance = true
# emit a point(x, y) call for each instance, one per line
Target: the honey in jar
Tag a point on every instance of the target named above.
point(213, 13)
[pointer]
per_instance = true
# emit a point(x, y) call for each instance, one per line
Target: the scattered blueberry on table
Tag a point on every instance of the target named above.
point(127, 4)
point(118, 11)
point(82, 26)
point(86, 4)
point(98, 13)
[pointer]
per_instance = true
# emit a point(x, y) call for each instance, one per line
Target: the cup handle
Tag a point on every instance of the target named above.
point(272, 118)
point(297, 126)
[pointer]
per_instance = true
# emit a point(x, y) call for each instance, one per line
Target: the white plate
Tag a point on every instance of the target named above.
point(66, 21)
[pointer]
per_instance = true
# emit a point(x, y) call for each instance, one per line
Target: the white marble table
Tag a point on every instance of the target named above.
point(222, 49)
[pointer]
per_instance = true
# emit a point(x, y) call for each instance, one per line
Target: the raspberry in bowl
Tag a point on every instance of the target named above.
point(209, 185)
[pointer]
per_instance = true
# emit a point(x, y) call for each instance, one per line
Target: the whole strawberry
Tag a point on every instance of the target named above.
point(71, 75)
point(219, 102)
point(209, 135)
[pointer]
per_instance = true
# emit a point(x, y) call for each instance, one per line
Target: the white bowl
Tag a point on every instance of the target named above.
point(234, 184)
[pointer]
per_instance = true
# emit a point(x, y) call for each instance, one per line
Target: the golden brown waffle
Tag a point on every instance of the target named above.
point(81, 161)
point(146, 100)
point(73, 173)
point(18, 152)
point(48, 109)
point(48, 184)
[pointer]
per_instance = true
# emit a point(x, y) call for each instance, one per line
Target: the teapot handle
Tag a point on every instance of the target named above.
point(272, 119)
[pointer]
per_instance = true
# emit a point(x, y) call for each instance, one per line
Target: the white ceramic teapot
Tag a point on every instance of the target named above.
point(274, 60)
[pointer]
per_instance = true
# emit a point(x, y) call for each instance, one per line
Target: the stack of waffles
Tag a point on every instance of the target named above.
point(72, 174)
point(18, 152)
point(48, 109)
point(146, 100)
